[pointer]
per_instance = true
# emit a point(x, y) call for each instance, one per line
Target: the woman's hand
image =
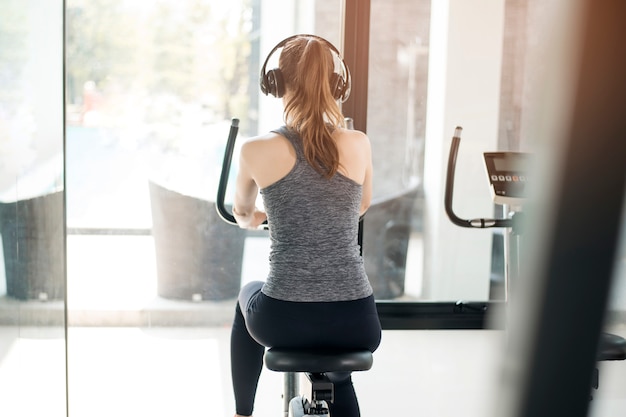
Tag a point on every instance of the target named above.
point(250, 220)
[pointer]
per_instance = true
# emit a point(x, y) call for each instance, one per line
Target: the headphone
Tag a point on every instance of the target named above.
point(272, 82)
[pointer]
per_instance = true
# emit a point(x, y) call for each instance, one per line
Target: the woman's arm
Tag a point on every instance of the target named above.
point(366, 199)
point(246, 190)
point(355, 162)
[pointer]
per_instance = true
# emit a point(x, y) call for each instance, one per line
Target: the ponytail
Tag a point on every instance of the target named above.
point(307, 66)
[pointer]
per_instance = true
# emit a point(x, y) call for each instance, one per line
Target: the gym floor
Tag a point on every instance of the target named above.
point(131, 354)
point(156, 372)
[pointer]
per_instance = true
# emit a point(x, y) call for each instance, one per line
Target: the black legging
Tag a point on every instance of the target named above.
point(262, 321)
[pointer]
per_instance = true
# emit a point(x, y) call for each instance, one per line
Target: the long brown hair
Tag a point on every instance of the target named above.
point(307, 65)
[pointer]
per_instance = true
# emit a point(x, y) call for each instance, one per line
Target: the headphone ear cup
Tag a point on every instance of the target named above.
point(263, 83)
point(275, 83)
point(337, 86)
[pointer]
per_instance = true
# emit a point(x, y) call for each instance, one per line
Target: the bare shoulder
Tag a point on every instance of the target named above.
point(268, 158)
point(351, 134)
point(354, 136)
point(261, 140)
point(352, 139)
point(264, 144)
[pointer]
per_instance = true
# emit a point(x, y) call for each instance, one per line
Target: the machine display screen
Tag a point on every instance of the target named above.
point(507, 173)
point(510, 163)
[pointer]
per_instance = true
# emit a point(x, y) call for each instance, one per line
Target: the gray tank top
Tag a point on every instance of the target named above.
point(313, 223)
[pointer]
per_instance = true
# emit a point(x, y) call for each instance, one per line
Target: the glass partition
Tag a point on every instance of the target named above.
point(434, 66)
point(32, 258)
point(396, 120)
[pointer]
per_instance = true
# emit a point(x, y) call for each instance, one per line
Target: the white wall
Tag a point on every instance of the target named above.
point(463, 90)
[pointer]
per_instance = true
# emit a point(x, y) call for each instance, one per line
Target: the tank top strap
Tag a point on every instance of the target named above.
point(293, 138)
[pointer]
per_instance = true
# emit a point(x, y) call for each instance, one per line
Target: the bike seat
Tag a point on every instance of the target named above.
point(317, 360)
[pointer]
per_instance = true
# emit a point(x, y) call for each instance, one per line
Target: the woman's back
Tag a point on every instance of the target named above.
point(272, 156)
point(313, 224)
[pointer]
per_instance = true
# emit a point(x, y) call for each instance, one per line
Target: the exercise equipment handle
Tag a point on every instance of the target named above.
point(221, 188)
point(471, 223)
point(223, 184)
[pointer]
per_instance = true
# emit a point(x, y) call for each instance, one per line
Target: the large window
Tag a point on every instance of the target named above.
point(32, 252)
point(151, 91)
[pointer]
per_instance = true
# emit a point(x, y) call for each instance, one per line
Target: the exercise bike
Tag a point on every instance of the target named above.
point(507, 174)
point(317, 390)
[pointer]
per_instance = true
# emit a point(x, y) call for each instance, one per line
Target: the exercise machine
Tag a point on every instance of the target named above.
point(317, 390)
point(508, 184)
point(507, 174)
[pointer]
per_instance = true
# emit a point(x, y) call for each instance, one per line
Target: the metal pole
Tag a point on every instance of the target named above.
point(291, 389)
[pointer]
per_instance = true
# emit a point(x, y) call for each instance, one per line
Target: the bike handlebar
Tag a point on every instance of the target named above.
point(221, 189)
point(449, 191)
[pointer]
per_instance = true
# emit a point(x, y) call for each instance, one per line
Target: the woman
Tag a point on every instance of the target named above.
point(315, 178)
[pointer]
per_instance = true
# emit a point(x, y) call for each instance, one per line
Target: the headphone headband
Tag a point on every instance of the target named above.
point(272, 81)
